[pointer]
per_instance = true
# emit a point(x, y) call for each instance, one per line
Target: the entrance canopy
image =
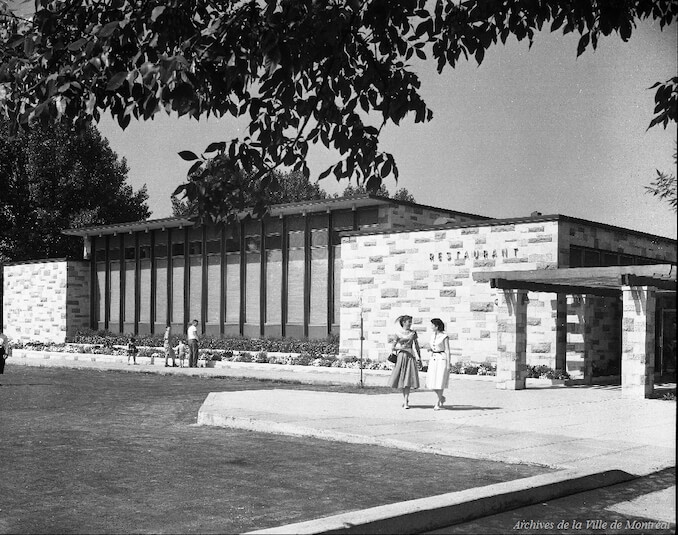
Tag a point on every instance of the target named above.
point(636, 287)
point(602, 281)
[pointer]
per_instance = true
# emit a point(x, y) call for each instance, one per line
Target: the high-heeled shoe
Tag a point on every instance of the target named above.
point(406, 405)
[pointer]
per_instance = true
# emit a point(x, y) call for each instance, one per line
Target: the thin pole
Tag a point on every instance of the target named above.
point(361, 346)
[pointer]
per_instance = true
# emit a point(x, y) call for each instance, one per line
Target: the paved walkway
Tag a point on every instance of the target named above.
point(593, 435)
point(563, 427)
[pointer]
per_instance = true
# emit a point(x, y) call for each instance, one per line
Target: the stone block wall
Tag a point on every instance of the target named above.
point(593, 335)
point(443, 273)
point(44, 301)
point(638, 341)
point(405, 216)
point(78, 297)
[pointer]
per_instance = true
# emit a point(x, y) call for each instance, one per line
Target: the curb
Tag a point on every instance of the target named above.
point(426, 514)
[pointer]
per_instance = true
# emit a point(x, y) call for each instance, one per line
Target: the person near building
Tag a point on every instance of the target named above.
point(192, 336)
point(180, 350)
point(438, 373)
point(168, 347)
point(132, 350)
point(405, 374)
point(4, 352)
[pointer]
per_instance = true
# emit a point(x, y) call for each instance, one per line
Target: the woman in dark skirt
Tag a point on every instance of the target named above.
point(405, 374)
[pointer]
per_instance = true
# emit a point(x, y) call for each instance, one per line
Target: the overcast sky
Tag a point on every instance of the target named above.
point(528, 130)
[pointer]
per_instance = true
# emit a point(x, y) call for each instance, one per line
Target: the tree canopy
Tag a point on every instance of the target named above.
point(664, 186)
point(52, 179)
point(401, 194)
point(284, 188)
point(333, 72)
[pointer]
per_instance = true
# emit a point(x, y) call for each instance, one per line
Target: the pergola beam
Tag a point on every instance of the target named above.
point(505, 284)
point(630, 279)
point(608, 276)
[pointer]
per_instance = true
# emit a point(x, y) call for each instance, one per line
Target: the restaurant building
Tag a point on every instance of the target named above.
point(349, 266)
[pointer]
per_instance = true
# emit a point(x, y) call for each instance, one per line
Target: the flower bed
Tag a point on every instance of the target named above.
point(215, 355)
point(328, 346)
point(318, 353)
point(474, 368)
point(546, 372)
point(209, 356)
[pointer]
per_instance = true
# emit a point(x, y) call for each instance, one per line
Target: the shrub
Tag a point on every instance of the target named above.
point(261, 357)
point(487, 368)
point(470, 369)
point(324, 361)
point(243, 357)
point(545, 372)
point(535, 372)
point(304, 359)
point(456, 367)
point(206, 355)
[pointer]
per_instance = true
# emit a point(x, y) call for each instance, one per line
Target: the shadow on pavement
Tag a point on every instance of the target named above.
point(455, 407)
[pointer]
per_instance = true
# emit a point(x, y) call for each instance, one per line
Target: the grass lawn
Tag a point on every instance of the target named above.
point(88, 451)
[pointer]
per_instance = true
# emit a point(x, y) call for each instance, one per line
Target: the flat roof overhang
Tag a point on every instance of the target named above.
point(277, 210)
point(134, 226)
point(602, 281)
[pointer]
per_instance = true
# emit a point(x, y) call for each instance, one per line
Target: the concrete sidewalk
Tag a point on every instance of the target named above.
point(561, 427)
point(591, 435)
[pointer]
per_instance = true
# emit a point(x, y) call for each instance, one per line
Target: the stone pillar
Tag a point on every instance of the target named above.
point(638, 324)
point(561, 333)
point(591, 341)
point(511, 339)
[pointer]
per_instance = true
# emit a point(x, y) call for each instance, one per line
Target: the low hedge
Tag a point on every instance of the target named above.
point(317, 348)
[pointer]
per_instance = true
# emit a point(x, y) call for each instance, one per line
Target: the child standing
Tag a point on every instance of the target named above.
point(132, 350)
point(181, 352)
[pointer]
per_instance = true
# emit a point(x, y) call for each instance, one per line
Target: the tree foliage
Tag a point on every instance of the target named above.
point(333, 72)
point(284, 188)
point(401, 194)
point(664, 186)
point(51, 179)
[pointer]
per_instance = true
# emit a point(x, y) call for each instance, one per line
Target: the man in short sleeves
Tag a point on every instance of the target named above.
point(192, 336)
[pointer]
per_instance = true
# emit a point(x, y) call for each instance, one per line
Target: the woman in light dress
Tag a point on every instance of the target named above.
point(438, 374)
point(405, 374)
